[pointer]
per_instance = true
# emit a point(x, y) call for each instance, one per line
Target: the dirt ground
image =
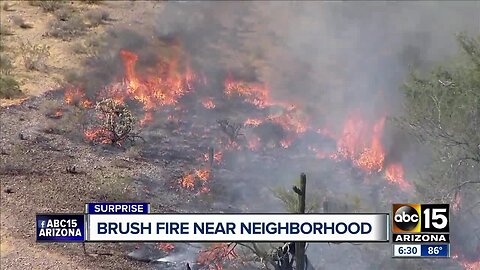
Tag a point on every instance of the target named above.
point(68, 55)
point(29, 184)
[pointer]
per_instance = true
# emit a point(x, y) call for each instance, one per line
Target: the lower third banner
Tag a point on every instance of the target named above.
point(238, 227)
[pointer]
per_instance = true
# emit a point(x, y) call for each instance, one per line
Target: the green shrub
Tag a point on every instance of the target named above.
point(5, 64)
point(9, 87)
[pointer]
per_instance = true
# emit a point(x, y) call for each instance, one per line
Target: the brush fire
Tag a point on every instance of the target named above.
point(163, 91)
point(238, 140)
point(226, 121)
point(359, 141)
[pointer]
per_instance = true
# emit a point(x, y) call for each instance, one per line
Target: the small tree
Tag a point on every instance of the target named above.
point(443, 112)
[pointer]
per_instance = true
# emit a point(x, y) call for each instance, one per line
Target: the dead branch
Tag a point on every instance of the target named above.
point(231, 129)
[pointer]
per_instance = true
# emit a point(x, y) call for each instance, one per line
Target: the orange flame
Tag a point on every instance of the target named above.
point(366, 154)
point(351, 140)
point(457, 201)
point(166, 247)
point(217, 156)
point(371, 159)
point(208, 103)
point(58, 113)
point(467, 265)
point(189, 180)
point(202, 174)
point(171, 79)
point(254, 143)
point(253, 93)
point(75, 95)
point(252, 122)
point(394, 173)
point(290, 122)
point(353, 144)
point(147, 118)
point(163, 86)
point(97, 135)
point(471, 265)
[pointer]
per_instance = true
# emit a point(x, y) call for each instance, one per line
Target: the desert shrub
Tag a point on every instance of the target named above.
point(64, 13)
point(90, 46)
point(34, 56)
point(9, 87)
point(66, 30)
point(79, 48)
point(5, 64)
point(20, 22)
point(117, 123)
point(96, 17)
point(47, 6)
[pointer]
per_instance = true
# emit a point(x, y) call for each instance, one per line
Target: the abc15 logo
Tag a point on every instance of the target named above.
point(421, 218)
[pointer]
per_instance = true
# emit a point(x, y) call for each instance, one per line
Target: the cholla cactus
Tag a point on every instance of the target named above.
point(118, 121)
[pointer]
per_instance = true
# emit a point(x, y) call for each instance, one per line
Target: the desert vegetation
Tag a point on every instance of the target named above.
point(188, 122)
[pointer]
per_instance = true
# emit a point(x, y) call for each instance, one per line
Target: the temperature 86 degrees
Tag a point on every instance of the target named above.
point(434, 250)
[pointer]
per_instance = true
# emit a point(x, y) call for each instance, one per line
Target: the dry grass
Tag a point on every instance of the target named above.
point(34, 56)
point(48, 6)
point(64, 13)
point(68, 29)
point(73, 30)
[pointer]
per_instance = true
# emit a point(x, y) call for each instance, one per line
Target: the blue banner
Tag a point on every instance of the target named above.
point(117, 208)
point(60, 227)
point(435, 250)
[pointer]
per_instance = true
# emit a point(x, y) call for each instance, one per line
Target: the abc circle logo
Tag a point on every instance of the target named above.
point(406, 218)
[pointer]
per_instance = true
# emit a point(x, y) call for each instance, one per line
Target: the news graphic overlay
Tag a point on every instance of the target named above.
point(238, 227)
point(117, 208)
point(423, 230)
point(60, 227)
point(423, 250)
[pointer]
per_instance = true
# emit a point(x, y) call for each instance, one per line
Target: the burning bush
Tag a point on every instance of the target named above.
point(118, 124)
